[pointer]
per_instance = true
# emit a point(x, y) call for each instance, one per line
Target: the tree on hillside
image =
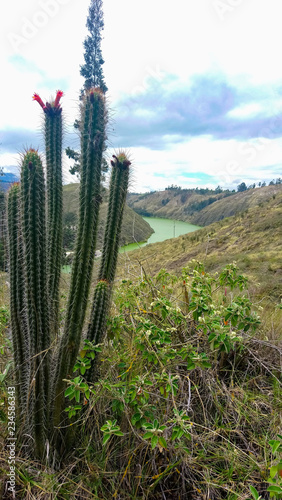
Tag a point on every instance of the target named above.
point(92, 69)
point(242, 187)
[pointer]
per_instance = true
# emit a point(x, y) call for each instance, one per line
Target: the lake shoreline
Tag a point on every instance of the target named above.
point(164, 229)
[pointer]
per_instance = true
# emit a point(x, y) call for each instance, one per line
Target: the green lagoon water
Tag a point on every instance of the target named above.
point(164, 230)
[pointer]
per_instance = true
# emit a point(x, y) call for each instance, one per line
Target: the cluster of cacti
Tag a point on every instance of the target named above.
point(35, 255)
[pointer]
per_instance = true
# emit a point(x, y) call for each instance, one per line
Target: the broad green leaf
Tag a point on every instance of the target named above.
point(148, 435)
point(174, 434)
point(69, 391)
point(254, 493)
point(273, 471)
point(234, 320)
point(190, 365)
point(106, 438)
point(154, 441)
point(275, 446)
point(274, 489)
point(118, 433)
point(135, 418)
point(162, 442)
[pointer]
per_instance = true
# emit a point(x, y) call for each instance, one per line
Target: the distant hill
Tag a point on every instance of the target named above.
point(134, 228)
point(7, 179)
point(199, 206)
point(238, 202)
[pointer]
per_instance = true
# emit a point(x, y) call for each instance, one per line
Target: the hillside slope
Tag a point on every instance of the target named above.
point(226, 207)
point(197, 208)
point(134, 228)
point(252, 239)
point(171, 204)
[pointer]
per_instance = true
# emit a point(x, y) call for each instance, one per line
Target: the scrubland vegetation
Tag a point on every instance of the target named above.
point(187, 403)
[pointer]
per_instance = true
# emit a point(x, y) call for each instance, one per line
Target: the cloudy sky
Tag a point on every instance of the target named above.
point(195, 86)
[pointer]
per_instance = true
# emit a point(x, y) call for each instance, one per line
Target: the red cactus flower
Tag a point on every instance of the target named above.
point(37, 98)
point(59, 94)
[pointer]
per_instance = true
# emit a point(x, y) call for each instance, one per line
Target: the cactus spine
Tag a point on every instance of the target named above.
point(35, 262)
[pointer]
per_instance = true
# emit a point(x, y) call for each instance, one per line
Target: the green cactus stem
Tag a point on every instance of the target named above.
point(20, 339)
point(93, 123)
point(53, 151)
point(101, 301)
point(37, 313)
point(117, 198)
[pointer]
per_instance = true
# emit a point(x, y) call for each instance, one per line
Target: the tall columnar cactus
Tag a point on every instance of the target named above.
point(118, 190)
point(53, 151)
point(35, 243)
point(93, 122)
point(36, 308)
point(17, 298)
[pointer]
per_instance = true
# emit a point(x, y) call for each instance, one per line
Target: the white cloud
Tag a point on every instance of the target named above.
point(145, 40)
point(246, 110)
